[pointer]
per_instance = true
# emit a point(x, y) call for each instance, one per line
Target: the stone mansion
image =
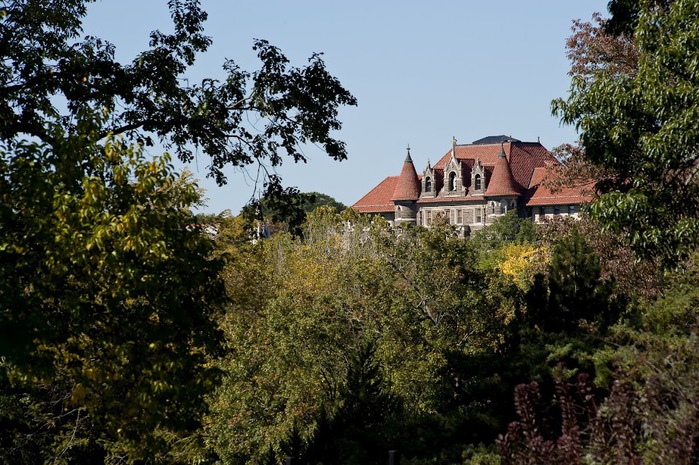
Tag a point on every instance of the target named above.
point(473, 184)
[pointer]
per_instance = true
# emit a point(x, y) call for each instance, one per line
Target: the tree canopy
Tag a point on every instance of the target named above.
point(95, 359)
point(111, 294)
point(45, 60)
point(641, 127)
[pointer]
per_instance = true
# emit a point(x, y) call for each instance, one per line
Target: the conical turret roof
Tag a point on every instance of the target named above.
point(501, 181)
point(408, 185)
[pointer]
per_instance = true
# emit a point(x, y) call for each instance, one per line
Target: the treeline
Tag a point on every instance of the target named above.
point(357, 339)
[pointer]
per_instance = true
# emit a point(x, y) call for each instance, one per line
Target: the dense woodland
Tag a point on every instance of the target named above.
point(130, 334)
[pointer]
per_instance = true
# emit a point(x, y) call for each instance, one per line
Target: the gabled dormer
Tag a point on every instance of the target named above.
point(453, 175)
point(478, 178)
point(429, 182)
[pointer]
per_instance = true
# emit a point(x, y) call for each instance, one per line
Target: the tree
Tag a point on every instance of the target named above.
point(647, 408)
point(641, 126)
point(287, 209)
point(97, 361)
point(110, 291)
point(44, 56)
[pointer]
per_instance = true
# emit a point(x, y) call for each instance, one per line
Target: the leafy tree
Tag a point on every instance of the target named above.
point(650, 409)
point(316, 200)
point(633, 279)
point(286, 209)
point(642, 127)
point(98, 362)
point(301, 309)
point(45, 56)
point(359, 431)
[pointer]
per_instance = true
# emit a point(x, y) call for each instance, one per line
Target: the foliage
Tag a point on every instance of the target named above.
point(520, 261)
point(97, 360)
point(316, 200)
point(509, 228)
point(45, 56)
point(592, 49)
point(301, 311)
point(632, 278)
point(286, 209)
point(365, 422)
point(649, 410)
point(643, 420)
point(641, 126)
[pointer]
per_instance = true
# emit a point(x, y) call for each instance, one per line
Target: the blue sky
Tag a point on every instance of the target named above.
point(422, 72)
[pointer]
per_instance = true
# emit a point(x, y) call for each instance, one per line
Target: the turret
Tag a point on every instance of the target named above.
point(406, 193)
point(503, 190)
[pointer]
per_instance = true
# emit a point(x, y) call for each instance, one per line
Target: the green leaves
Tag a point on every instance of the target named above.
point(44, 56)
point(109, 296)
point(641, 125)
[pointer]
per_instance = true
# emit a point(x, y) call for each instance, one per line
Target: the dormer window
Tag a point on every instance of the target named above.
point(452, 181)
point(477, 182)
point(428, 184)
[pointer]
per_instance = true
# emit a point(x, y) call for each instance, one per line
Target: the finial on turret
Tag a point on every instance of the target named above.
point(407, 157)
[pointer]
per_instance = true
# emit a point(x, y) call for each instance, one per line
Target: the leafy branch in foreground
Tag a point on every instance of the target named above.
point(108, 302)
point(44, 56)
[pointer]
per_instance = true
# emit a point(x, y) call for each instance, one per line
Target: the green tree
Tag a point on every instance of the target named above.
point(286, 210)
point(108, 302)
point(44, 56)
point(303, 307)
point(641, 127)
point(316, 199)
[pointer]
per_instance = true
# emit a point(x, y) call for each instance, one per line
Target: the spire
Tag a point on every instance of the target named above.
point(502, 182)
point(408, 185)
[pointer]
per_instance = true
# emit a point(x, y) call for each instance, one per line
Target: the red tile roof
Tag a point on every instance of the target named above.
point(540, 194)
point(378, 200)
point(501, 181)
point(523, 157)
point(408, 185)
point(521, 171)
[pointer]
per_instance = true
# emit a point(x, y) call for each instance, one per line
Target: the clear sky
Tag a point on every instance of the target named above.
point(422, 72)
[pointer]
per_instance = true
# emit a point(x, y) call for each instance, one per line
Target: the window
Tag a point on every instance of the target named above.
point(452, 181)
point(492, 208)
point(571, 209)
point(447, 215)
point(556, 210)
point(479, 216)
point(477, 182)
point(542, 211)
point(428, 184)
point(459, 216)
point(429, 217)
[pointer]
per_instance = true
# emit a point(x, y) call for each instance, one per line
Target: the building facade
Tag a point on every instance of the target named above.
point(473, 184)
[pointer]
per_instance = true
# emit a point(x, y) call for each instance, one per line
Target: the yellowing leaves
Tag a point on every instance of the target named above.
point(520, 262)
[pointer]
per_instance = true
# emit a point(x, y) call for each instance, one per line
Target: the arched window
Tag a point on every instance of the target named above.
point(428, 184)
point(452, 181)
point(477, 182)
